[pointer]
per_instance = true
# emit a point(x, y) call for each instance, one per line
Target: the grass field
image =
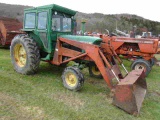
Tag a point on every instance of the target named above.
point(43, 97)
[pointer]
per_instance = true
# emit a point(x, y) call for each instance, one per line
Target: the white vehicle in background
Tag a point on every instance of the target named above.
point(146, 34)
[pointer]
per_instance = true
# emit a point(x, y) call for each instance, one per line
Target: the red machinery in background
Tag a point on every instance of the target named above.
point(158, 51)
point(9, 28)
point(140, 50)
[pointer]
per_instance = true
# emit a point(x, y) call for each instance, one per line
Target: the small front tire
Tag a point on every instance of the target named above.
point(94, 71)
point(72, 78)
point(152, 61)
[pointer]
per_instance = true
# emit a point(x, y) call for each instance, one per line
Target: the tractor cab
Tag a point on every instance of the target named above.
point(46, 23)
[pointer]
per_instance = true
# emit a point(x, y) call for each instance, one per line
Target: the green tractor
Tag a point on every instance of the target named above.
point(49, 37)
point(43, 26)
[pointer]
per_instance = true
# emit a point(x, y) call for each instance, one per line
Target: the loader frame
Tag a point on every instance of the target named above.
point(92, 53)
point(129, 91)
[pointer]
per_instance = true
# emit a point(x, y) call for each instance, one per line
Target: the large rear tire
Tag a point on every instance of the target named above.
point(25, 55)
point(72, 78)
point(141, 64)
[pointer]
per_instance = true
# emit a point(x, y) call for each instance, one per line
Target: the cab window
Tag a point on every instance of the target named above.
point(42, 20)
point(30, 20)
point(61, 22)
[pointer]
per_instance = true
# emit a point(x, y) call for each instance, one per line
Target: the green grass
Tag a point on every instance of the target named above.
point(42, 96)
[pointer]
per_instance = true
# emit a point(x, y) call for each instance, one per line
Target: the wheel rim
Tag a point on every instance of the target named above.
point(140, 66)
point(71, 79)
point(95, 70)
point(20, 55)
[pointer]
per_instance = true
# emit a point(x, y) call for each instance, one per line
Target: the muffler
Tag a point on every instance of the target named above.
point(130, 92)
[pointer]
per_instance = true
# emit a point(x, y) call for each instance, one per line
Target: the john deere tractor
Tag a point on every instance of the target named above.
point(49, 37)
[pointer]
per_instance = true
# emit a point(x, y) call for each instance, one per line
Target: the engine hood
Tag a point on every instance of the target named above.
point(84, 39)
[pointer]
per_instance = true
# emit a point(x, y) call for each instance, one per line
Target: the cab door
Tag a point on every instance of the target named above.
point(42, 28)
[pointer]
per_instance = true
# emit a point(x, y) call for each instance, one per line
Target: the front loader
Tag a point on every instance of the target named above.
point(49, 37)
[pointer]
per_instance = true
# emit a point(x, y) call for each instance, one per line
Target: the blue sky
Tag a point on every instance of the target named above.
point(149, 9)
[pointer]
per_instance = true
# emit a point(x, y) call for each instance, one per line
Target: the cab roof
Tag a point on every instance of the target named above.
point(53, 7)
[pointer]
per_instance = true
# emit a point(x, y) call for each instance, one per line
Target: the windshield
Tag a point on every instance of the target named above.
point(61, 22)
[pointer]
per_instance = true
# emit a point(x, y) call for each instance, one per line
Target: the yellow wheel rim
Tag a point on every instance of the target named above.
point(20, 55)
point(95, 70)
point(71, 79)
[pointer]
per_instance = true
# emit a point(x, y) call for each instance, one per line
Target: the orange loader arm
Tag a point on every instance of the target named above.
point(129, 92)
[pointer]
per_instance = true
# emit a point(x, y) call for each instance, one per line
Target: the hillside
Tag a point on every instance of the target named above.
point(99, 22)
point(96, 22)
point(13, 11)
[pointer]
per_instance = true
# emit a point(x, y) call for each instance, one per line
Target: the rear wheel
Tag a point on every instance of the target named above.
point(94, 71)
point(72, 78)
point(141, 64)
point(25, 55)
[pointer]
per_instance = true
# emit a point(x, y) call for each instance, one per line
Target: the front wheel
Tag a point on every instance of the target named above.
point(94, 71)
point(25, 55)
point(152, 61)
point(72, 78)
point(141, 64)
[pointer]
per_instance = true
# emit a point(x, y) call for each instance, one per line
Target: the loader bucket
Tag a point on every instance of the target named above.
point(130, 92)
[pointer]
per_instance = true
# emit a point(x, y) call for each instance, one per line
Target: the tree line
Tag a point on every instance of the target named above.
point(96, 22)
